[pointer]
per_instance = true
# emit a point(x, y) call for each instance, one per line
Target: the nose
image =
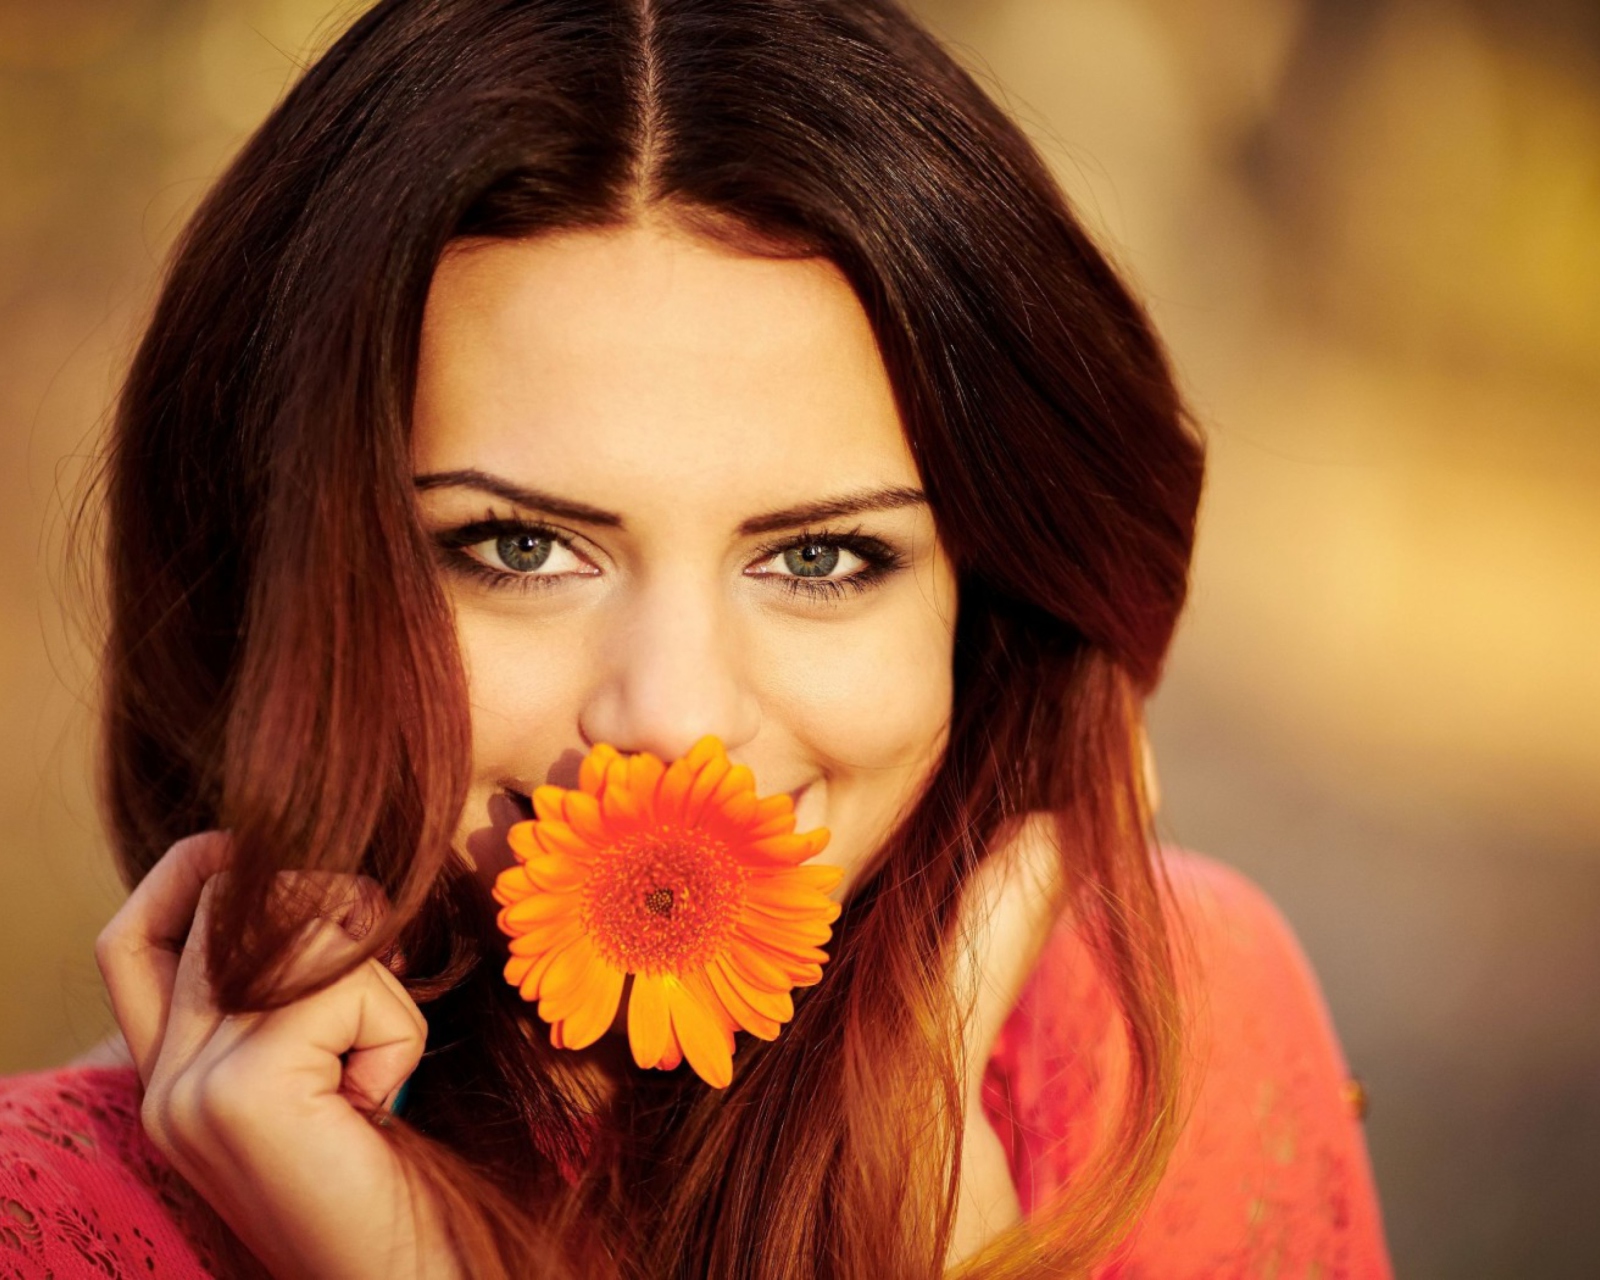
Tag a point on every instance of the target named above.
point(669, 673)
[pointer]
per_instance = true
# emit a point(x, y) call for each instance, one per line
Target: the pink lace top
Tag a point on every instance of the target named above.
point(1270, 1177)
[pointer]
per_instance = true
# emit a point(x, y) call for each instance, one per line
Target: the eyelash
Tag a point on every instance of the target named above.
point(879, 557)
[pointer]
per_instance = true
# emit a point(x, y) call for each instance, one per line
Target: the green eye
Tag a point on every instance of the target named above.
point(523, 552)
point(812, 560)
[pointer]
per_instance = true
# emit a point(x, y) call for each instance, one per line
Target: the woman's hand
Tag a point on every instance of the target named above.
point(267, 1114)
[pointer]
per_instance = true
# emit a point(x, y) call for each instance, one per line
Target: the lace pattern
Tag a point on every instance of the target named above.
point(82, 1192)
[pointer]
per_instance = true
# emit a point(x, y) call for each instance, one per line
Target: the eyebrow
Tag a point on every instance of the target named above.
point(519, 494)
point(885, 498)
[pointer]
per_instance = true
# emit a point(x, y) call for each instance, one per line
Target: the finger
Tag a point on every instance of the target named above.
point(356, 902)
point(138, 951)
point(324, 947)
point(333, 919)
point(361, 1037)
point(192, 1014)
point(361, 905)
point(360, 909)
point(374, 1072)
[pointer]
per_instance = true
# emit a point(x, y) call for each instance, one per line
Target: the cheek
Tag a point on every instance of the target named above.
point(868, 700)
point(870, 707)
point(521, 694)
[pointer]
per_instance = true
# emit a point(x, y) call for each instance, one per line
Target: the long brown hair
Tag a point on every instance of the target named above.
point(281, 661)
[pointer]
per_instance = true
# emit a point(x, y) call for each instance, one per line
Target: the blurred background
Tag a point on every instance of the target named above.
point(1370, 231)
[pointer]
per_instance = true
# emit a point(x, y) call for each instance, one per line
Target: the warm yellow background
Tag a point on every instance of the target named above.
point(1370, 230)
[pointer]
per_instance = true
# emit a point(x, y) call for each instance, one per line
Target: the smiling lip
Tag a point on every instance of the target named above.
point(796, 794)
point(522, 799)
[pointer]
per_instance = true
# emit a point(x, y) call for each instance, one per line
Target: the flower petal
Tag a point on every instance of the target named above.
point(783, 953)
point(816, 875)
point(582, 814)
point(555, 874)
point(512, 885)
point(744, 1010)
point(547, 802)
point(706, 781)
point(774, 816)
point(775, 970)
point(519, 836)
point(649, 1021)
point(528, 989)
point(704, 1041)
point(673, 790)
point(735, 813)
point(739, 780)
point(796, 903)
point(700, 985)
point(537, 908)
point(807, 975)
point(556, 837)
point(599, 1008)
point(621, 808)
point(786, 934)
point(707, 748)
point(644, 776)
point(517, 968)
point(570, 971)
point(592, 772)
point(674, 1052)
point(780, 805)
point(759, 969)
point(547, 937)
point(787, 850)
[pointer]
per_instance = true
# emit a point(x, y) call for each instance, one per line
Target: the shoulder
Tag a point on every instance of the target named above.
point(84, 1192)
point(1235, 948)
point(1271, 1168)
point(1270, 1175)
point(1221, 901)
point(1253, 1001)
point(1234, 952)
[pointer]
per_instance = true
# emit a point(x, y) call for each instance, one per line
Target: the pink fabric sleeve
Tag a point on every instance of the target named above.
point(1270, 1176)
point(82, 1192)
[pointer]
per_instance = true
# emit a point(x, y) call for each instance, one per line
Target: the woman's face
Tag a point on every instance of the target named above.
point(672, 497)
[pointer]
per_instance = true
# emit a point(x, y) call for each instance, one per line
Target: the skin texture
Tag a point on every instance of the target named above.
point(684, 390)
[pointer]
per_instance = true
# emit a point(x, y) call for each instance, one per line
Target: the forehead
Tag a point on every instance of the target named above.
point(626, 366)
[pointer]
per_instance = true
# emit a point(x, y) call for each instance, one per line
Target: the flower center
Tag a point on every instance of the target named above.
point(663, 901)
point(659, 901)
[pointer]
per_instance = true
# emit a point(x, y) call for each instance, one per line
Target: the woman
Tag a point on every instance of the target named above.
point(578, 372)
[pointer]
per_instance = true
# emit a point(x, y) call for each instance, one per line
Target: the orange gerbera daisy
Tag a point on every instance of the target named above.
point(679, 877)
